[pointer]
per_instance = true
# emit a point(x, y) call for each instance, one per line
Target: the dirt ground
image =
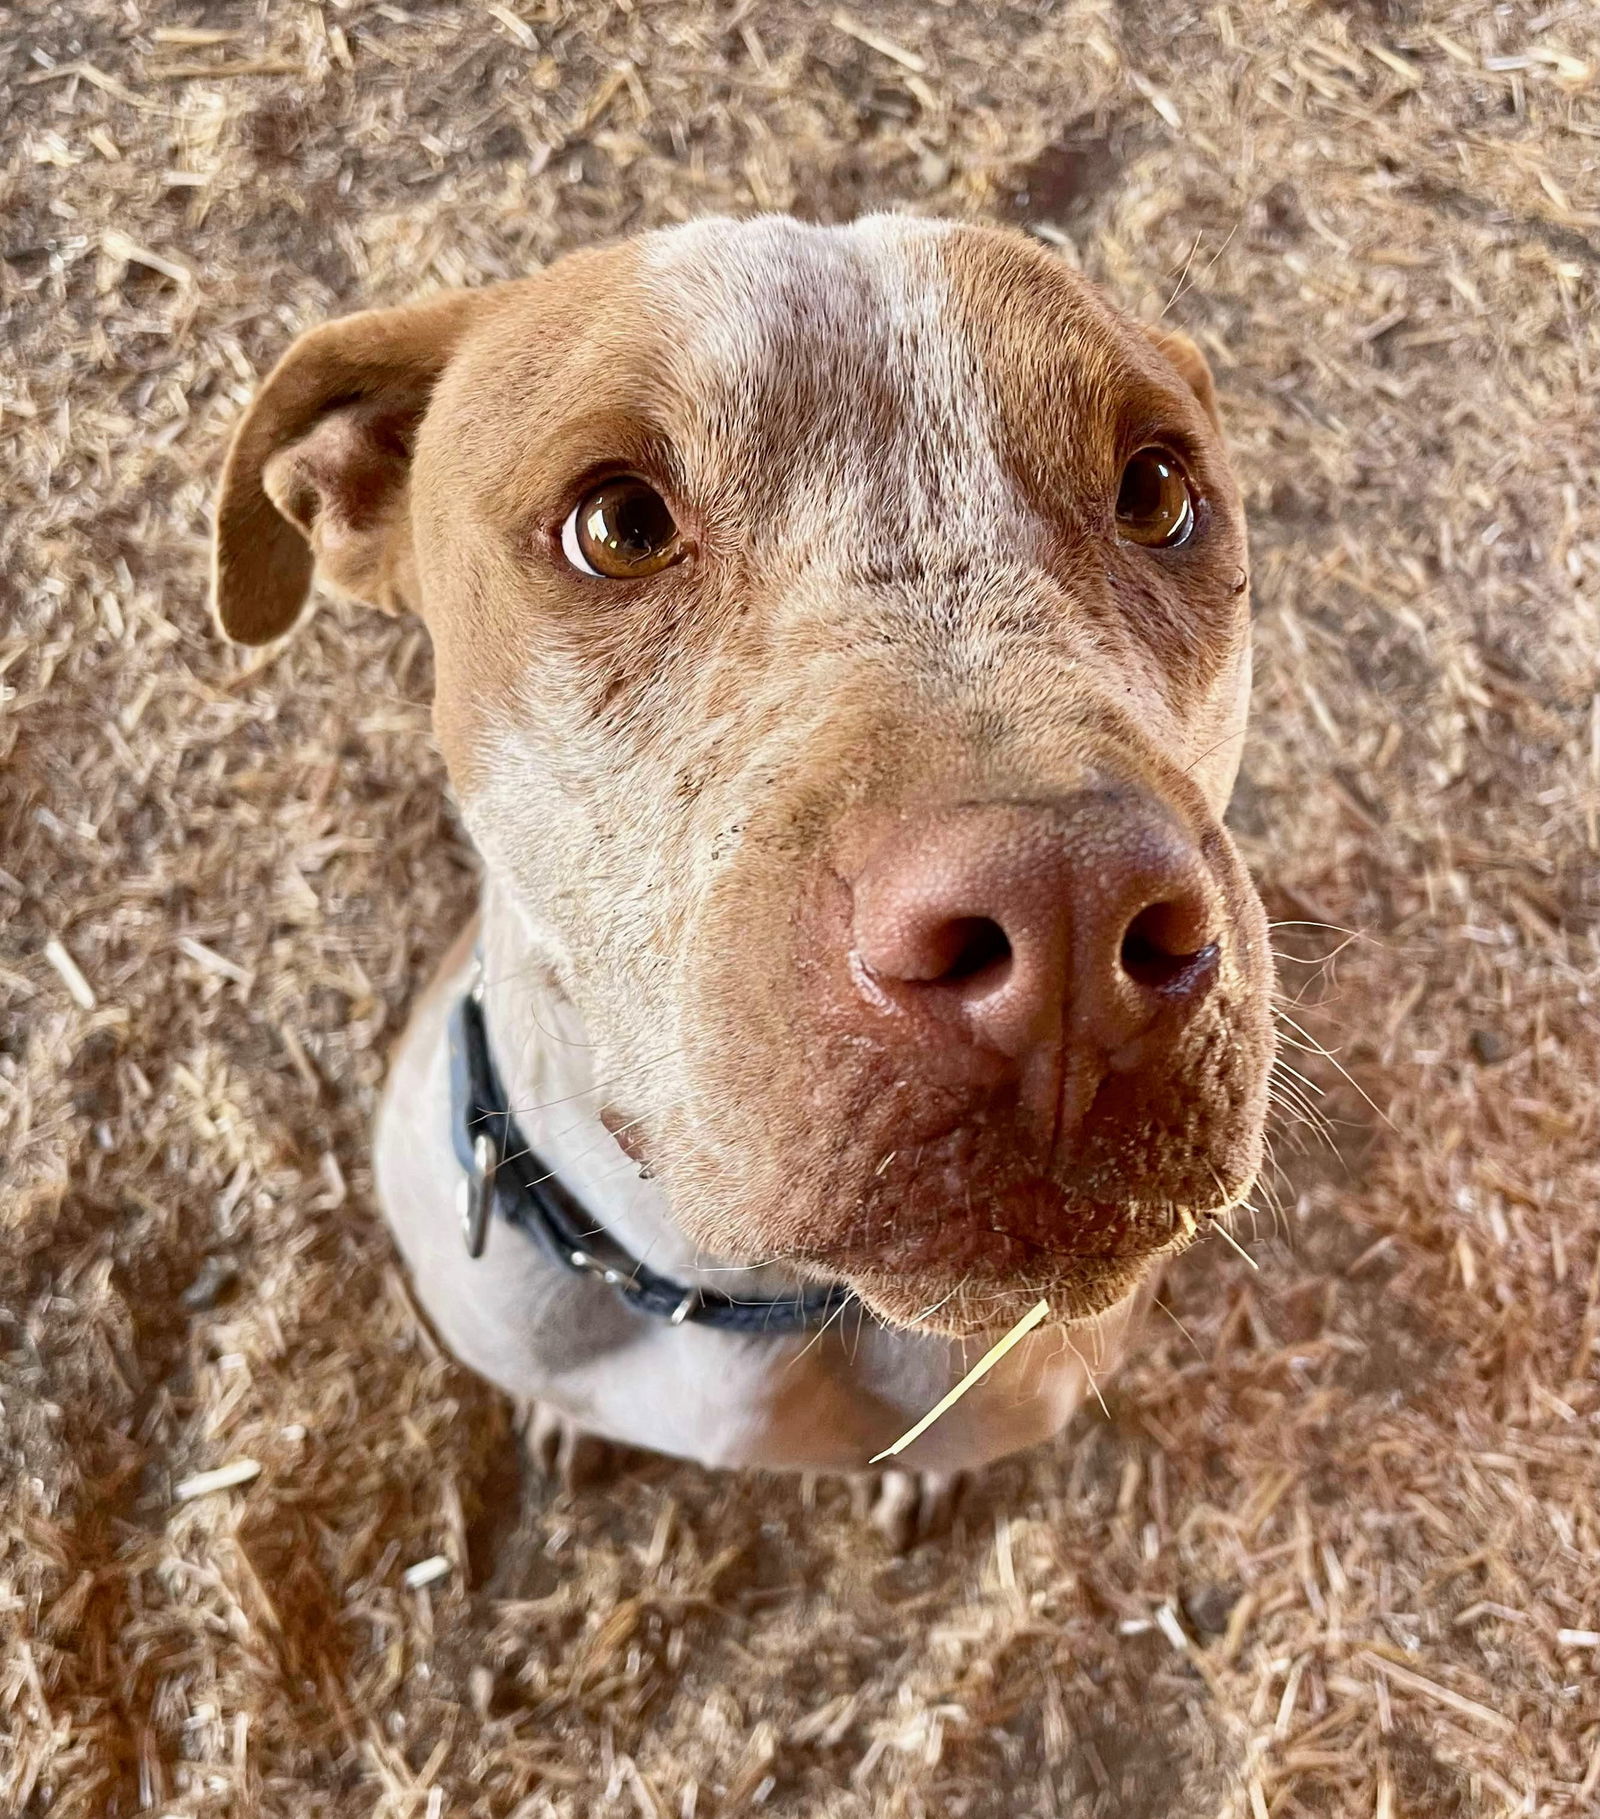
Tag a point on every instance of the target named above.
point(1333, 1548)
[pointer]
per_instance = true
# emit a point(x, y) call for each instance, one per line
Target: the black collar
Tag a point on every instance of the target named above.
point(504, 1175)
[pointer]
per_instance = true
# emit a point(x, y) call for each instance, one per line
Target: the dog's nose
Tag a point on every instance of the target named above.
point(1071, 928)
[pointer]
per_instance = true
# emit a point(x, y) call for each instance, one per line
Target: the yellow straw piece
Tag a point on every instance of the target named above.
point(985, 1364)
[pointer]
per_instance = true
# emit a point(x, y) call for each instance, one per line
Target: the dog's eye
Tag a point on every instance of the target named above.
point(1154, 504)
point(621, 531)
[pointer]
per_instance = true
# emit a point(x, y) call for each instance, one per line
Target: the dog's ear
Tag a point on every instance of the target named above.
point(1181, 352)
point(316, 479)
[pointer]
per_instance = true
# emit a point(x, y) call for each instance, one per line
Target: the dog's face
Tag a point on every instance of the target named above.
point(842, 647)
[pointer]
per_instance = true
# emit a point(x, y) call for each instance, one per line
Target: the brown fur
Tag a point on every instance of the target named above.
point(674, 779)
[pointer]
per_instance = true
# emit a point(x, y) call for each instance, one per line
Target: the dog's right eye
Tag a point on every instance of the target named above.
point(621, 531)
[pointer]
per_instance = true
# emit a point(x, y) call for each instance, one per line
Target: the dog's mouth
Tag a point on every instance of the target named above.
point(954, 1219)
point(983, 1265)
point(626, 1134)
point(974, 1257)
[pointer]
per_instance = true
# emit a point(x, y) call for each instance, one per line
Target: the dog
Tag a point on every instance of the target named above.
point(842, 652)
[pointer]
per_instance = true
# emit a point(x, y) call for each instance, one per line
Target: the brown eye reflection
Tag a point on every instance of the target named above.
point(1154, 504)
point(621, 531)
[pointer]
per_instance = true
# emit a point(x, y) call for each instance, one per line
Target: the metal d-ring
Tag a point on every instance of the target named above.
point(475, 1196)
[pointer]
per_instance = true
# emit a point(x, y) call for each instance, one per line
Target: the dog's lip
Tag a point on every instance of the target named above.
point(995, 1250)
point(951, 1299)
point(627, 1137)
point(1110, 1234)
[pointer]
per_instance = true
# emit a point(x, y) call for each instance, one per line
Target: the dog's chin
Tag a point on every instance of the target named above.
point(965, 1283)
point(958, 1252)
point(969, 1306)
point(968, 1260)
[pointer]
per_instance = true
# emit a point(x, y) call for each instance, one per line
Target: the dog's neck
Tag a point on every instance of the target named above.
point(545, 1061)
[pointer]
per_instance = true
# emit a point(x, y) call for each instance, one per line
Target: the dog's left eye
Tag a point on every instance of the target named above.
point(621, 531)
point(1154, 504)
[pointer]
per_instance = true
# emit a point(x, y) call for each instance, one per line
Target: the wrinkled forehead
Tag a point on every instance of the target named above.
point(753, 293)
point(884, 356)
point(939, 376)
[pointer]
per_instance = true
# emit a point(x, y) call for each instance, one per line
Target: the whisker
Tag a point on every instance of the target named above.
point(1275, 1204)
point(1265, 1185)
point(1227, 242)
point(1305, 1079)
point(549, 1035)
point(1285, 1101)
point(1066, 1340)
point(861, 1321)
point(1290, 1092)
point(1299, 1110)
point(1293, 1142)
point(943, 1301)
point(1183, 276)
point(527, 1111)
point(1180, 1326)
point(740, 1269)
point(654, 1112)
point(816, 1337)
point(1316, 1048)
point(1238, 734)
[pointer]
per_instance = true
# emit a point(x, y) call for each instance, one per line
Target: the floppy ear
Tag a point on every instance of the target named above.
point(1182, 353)
point(317, 474)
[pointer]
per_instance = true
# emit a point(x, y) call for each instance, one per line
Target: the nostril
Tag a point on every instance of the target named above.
point(1160, 946)
point(971, 945)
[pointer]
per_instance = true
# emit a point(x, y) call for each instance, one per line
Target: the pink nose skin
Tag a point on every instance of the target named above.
point(1069, 937)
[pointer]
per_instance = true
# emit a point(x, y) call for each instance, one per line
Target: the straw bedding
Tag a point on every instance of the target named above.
point(1333, 1546)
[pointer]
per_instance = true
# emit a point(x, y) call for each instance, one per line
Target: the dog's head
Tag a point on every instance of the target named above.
point(842, 646)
